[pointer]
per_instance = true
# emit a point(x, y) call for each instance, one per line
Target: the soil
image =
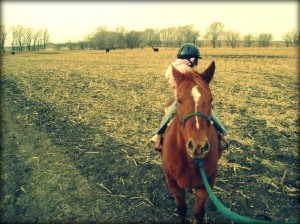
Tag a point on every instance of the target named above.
point(61, 164)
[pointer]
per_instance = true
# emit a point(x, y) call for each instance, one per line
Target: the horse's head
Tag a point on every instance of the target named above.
point(194, 109)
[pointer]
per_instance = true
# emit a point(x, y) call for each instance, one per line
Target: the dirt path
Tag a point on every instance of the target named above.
point(42, 177)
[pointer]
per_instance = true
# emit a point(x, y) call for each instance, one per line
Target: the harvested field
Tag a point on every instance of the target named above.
point(76, 125)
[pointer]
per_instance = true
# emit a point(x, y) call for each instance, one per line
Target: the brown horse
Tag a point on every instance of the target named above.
point(190, 135)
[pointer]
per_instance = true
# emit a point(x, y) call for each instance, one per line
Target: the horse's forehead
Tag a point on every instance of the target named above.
point(196, 89)
point(196, 93)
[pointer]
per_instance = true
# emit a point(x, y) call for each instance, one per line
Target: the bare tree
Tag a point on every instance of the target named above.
point(45, 38)
point(151, 37)
point(3, 35)
point(264, 39)
point(232, 38)
point(20, 36)
point(82, 44)
point(37, 36)
point(291, 38)
point(14, 32)
point(288, 39)
point(133, 39)
point(112, 38)
point(59, 46)
point(100, 38)
point(71, 45)
point(214, 32)
point(296, 34)
point(28, 35)
point(167, 36)
point(120, 32)
point(249, 39)
point(195, 36)
point(190, 34)
point(179, 36)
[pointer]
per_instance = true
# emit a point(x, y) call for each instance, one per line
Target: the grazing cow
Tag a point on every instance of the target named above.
point(107, 50)
point(13, 52)
point(155, 49)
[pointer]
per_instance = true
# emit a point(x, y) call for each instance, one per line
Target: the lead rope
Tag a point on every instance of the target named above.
point(234, 217)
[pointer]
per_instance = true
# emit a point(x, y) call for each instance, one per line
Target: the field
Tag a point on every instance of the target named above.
point(76, 127)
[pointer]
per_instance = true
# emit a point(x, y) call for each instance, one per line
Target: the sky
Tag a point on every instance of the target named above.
point(74, 20)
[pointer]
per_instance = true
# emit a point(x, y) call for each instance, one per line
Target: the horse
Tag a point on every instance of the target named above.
point(155, 49)
point(190, 135)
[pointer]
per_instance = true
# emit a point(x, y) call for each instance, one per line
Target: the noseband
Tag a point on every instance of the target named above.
point(185, 118)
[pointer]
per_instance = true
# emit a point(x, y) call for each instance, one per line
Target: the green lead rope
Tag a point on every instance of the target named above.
point(236, 218)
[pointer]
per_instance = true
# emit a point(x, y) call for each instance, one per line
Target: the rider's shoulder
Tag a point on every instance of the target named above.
point(182, 65)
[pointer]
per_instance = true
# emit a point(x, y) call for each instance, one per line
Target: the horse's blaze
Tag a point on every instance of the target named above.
point(196, 96)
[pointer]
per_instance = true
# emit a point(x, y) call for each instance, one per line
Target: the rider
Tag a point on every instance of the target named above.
point(187, 58)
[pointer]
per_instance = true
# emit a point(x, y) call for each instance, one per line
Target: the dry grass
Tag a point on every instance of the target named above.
point(117, 99)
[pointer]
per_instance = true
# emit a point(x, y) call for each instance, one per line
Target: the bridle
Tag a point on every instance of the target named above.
point(185, 118)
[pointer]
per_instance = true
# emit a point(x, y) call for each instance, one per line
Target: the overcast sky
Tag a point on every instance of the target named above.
point(74, 20)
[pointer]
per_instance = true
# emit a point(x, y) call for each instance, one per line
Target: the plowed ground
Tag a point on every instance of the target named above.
point(76, 125)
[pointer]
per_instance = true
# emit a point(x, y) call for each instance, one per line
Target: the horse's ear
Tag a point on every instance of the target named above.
point(176, 74)
point(209, 72)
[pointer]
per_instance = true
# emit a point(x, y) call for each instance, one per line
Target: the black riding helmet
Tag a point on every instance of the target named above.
point(187, 51)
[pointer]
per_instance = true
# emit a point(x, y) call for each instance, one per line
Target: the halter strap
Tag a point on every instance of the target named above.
point(185, 118)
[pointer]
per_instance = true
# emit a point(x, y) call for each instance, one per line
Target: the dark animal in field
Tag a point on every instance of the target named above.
point(13, 52)
point(155, 49)
point(190, 135)
point(107, 50)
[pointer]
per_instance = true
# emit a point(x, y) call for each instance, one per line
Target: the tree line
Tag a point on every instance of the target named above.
point(24, 38)
point(216, 35)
